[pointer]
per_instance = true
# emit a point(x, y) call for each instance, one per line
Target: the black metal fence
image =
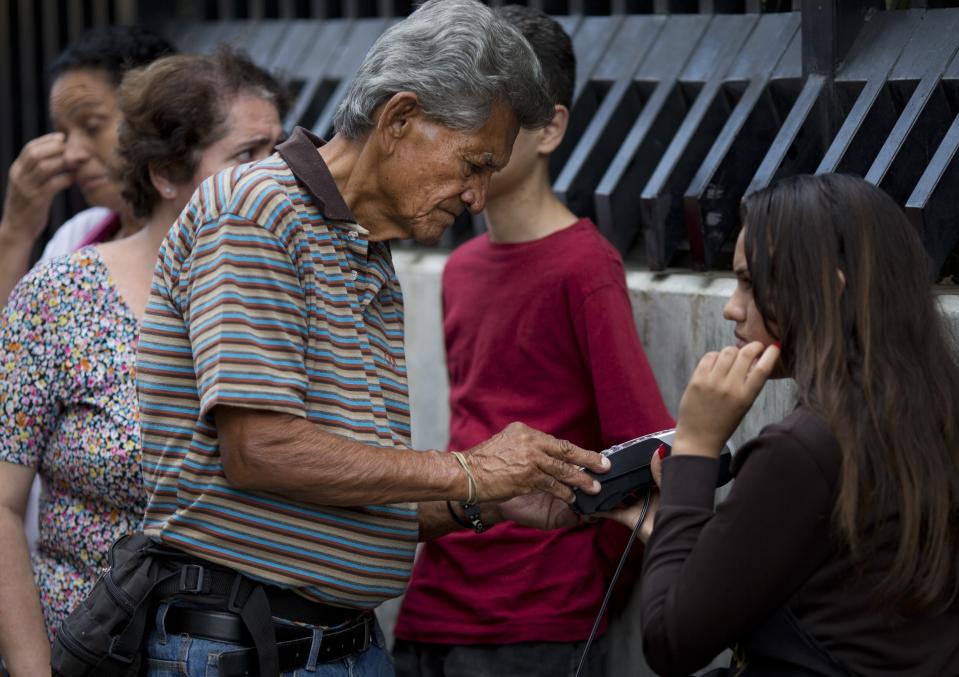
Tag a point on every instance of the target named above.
point(32, 33)
point(676, 115)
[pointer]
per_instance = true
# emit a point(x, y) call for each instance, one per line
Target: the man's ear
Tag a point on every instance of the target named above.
point(553, 133)
point(395, 118)
point(842, 280)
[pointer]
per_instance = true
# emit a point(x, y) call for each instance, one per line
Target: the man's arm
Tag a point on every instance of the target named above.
point(628, 401)
point(288, 455)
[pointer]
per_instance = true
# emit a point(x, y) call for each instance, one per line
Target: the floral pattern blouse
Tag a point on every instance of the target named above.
point(68, 408)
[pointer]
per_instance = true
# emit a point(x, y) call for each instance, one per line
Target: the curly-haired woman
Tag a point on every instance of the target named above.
point(69, 334)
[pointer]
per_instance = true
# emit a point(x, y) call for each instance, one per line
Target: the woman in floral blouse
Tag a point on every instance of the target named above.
point(68, 407)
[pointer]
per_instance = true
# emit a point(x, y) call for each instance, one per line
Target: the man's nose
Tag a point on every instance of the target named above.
point(475, 195)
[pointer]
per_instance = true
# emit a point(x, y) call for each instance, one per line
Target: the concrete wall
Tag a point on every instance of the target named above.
point(679, 317)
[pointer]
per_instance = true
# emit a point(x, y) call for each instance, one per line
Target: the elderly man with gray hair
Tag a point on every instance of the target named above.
point(272, 377)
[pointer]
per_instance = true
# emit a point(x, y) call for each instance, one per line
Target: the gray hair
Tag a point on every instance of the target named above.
point(459, 59)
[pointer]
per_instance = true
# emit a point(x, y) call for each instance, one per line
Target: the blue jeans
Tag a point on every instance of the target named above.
point(186, 656)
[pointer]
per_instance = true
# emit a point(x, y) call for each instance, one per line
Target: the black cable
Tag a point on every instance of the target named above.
point(612, 582)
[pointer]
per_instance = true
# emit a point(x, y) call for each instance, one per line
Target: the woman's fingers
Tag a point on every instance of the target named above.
point(656, 466)
point(723, 388)
point(760, 370)
point(725, 362)
point(705, 367)
point(745, 358)
point(646, 530)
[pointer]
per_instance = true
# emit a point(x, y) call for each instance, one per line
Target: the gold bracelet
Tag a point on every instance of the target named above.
point(471, 479)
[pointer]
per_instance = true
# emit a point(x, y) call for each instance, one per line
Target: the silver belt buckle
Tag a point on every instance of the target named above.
point(367, 624)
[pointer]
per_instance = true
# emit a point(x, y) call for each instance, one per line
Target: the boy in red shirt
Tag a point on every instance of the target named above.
point(539, 329)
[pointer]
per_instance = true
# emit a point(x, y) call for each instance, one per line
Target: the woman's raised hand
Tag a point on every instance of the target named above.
point(720, 392)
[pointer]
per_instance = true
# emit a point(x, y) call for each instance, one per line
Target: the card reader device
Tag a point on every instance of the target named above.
point(630, 475)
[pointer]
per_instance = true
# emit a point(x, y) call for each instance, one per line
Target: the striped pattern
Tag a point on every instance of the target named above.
point(259, 301)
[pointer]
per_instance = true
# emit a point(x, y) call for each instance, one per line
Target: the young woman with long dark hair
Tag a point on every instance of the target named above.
point(837, 549)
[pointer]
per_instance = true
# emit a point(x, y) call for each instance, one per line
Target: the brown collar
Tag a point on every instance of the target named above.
point(300, 153)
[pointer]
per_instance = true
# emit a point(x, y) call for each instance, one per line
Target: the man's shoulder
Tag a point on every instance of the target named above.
point(258, 193)
point(250, 196)
point(250, 190)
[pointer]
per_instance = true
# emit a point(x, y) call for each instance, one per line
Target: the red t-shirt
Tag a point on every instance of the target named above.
point(540, 332)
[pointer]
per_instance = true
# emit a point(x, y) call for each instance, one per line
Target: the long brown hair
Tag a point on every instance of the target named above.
point(840, 274)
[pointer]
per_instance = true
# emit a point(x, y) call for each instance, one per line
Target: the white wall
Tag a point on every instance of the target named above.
point(679, 317)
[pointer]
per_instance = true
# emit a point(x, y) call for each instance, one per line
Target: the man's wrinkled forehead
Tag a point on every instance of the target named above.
point(492, 144)
point(492, 161)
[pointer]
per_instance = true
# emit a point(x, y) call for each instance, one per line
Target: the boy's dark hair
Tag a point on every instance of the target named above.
point(552, 46)
point(174, 109)
point(114, 50)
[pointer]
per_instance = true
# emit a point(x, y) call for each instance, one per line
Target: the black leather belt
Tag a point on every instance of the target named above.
point(293, 642)
point(203, 578)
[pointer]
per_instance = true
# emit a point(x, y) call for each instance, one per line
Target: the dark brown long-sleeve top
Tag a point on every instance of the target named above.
point(711, 578)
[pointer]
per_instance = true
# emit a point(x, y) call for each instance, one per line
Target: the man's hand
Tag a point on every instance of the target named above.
point(519, 460)
point(719, 394)
point(539, 511)
point(36, 176)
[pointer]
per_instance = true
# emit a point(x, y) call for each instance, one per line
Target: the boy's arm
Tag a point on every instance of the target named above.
point(628, 402)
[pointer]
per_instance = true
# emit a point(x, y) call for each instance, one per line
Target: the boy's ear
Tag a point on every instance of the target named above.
point(553, 133)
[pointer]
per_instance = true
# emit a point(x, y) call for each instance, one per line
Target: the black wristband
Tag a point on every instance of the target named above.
point(472, 512)
point(456, 518)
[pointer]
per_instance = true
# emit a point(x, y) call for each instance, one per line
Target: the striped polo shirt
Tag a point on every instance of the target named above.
point(268, 295)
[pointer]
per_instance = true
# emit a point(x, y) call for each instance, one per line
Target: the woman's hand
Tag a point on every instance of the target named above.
point(35, 178)
point(629, 516)
point(719, 394)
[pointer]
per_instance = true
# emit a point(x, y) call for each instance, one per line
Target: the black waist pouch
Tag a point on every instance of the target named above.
point(104, 634)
